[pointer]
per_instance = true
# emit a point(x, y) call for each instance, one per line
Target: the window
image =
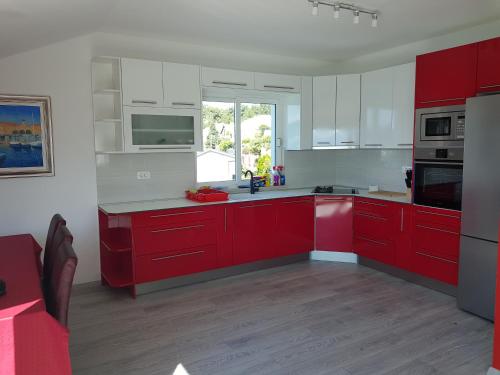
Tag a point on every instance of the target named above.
point(237, 136)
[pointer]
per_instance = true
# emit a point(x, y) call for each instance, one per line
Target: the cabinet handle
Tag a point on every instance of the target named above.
point(176, 214)
point(335, 199)
point(438, 230)
point(176, 229)
point(257, 205)
point(405, 144)
point(225, 219)
point(402, 219)
point(183, 103)
point(178, 255)
point(323, 143)
point(302, 201)
point(372, 204)
point(371, 216)
point(435, 257)
point(441, 100)
point(488, 86)
point(373, 144)
point(144, 102)
point(373, 241)
point(347, 142)
point(436, 214)
point(279, 87)
point(229, 83)
point(166, 148)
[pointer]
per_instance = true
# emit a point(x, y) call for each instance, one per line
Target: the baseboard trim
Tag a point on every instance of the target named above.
point(409, 276)
point(493, 371)
point(218, 273)
point(334, 256)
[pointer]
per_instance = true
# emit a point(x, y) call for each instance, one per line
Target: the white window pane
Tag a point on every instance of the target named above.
point(217, 161)
point(257, 127)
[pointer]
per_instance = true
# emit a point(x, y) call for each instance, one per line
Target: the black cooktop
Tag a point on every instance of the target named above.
point(334, 190)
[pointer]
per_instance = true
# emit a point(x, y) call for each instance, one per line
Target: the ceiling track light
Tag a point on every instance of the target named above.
point(338, 6)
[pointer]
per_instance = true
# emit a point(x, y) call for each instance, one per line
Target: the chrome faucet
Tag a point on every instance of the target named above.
point(252, 183)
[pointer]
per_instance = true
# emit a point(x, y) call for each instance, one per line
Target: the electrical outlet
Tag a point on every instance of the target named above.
point(143, 175)
point(404, 169)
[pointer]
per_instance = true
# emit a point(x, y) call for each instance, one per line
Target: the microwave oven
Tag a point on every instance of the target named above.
point(440, 127)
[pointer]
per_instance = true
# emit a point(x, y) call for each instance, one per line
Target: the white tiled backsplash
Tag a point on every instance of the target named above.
point(173, 173)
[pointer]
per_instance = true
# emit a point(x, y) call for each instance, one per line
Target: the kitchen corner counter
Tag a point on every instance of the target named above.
point(164, 204)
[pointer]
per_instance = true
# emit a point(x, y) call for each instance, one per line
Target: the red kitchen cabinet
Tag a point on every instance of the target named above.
point(488, 65)
point(403, 236)
point(225, 227)
point(436, 243)
point(334, 223)
point(446, 77)
point(295, 226)
point(254, 231)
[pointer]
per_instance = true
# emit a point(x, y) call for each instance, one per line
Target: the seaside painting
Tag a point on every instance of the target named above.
point(25, 136)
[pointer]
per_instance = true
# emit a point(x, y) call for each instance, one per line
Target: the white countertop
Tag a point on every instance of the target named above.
point(163, 204)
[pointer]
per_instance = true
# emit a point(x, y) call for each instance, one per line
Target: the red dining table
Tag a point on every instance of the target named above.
point(31, 340)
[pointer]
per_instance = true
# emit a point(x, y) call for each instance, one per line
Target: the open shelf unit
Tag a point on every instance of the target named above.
point(107, 104)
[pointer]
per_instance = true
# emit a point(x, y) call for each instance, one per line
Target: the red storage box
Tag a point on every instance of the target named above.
point(207, 195)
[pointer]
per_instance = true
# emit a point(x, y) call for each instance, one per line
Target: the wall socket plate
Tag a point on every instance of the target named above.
point(143, 175)
point(404, 169)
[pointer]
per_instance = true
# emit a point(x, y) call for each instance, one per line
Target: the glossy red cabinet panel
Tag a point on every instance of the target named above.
point(446, 77)
point(435, 268)
point(488, 65)
point(254, 231)
point(403, 236)
point(225, 227)
point(295, 226)
point(173, 216)
point(334, 223)
point(381, 251)
point(163, 265)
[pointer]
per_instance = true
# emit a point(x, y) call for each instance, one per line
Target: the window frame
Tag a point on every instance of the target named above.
point(237, 97)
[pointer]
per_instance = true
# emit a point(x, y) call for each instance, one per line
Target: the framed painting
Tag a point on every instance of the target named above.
point(25, 136)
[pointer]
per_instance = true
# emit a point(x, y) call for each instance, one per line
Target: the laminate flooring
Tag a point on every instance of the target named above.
point(305, 318)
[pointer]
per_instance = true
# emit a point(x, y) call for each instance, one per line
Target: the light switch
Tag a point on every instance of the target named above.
point(143, 175)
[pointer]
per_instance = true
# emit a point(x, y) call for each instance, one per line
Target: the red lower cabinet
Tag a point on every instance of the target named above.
point(436, 243)
point(403, 237)
point(294, 226)
point(334, 223)
point(254, 231)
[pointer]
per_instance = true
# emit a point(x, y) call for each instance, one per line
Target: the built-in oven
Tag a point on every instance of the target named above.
point(442, 127)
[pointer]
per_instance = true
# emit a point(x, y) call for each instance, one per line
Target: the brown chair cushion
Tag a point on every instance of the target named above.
point(58, 287)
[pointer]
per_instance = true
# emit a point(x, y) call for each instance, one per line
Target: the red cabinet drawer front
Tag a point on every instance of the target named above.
point(295, 226)
point(173, 216)
point(334, 223)
point(164, 265)
point(158, 239)
point(436, 242)
point(381, 251)
point(372, 227)
point(446, 77)
point(438, 218)
point(435, 268)
point(488, 63)
point(374, 207)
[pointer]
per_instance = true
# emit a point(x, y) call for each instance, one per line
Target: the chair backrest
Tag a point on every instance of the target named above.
point(55, 222)
point(58, 287)
point(61, 234)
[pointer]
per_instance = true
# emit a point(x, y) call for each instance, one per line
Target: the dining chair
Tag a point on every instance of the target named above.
point(55, 222)
point(61, 234)
point(58, 287)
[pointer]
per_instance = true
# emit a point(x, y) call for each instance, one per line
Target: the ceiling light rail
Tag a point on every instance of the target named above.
point(337, 6)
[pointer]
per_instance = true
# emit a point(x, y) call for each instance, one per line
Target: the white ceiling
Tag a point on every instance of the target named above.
point(283, 27)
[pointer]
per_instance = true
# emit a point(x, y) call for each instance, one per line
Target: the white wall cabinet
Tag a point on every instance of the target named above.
point(181, 83)
point(299, 122)
point(324, 100)
point(376, 109)
point(277, 82)
point(403, 115)
point(213, 77)
point(142, 82)
point(348, 110)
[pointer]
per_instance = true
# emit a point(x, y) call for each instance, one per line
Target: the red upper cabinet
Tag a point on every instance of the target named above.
point(295, 226)
point(488, 65)
point(446, 77)
point(334, 223)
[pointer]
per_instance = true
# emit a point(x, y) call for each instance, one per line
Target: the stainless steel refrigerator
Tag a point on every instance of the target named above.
point(480, 206)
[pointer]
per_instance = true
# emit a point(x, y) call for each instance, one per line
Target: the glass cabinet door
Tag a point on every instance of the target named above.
point(162, 130)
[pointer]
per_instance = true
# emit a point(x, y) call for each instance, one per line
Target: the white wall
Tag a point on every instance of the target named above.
point(61, 71)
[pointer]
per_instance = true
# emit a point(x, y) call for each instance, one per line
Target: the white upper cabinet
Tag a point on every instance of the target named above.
point(277, 82)
point(227, 78)
point(403, 106)
point(181, 83)
point(348, 107)
point(142, 82)
point(324, 98)
point(376, 109)
point(299, 117)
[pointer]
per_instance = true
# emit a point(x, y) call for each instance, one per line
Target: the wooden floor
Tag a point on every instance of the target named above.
point(306, 318)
